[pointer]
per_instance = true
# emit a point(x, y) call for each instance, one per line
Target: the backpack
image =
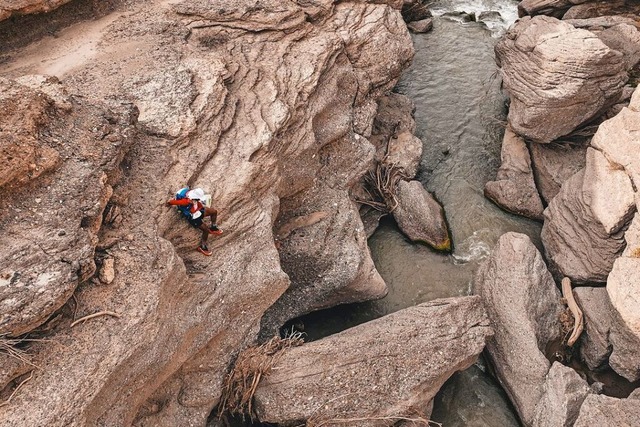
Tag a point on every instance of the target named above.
point(182, 194)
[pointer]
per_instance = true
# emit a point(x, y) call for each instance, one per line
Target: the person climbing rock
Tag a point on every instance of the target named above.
point(191, 204)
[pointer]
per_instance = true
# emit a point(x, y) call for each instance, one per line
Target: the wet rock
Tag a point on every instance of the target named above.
point(389, 367)
point(415, 10)
point(523, 304)
point(514, 188)
point(41, 268)
point(584, 225)
point(422, 26)
point(595, 345)
point(564, 392)
point(551, 71)
point(420, 216)
point(553, 164)
point(605, 411)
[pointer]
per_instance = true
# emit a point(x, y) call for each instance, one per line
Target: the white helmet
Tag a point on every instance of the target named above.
point(195, 194)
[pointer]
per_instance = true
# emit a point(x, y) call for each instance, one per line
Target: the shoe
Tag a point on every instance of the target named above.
point(215, 230)
point(204, 250)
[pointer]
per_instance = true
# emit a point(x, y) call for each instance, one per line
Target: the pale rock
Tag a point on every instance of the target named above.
point(107, 271)
point(422, 26)
point(551, 71)
point(605, 411)
point(514, 188)
point(523, 304)
point(405, 152)
point(27, 7)
point(389, 367)
point(545, 7)
point(595, 345)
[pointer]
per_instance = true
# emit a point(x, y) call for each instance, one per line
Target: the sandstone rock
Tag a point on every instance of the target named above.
point(564, 392)
point(389, 367)
point(405, 152)
point(270, 85)
point(605, 411)
point(422, 26)
point(26, 7)
point(514, 188)
point(523, 304)
point(420, 216)
point(545, 7)
point(584, 225)
point(107, 271)
point(40, 268)
point(553, 164)
point(595, 345)
point(551, 71)
point(597, 9)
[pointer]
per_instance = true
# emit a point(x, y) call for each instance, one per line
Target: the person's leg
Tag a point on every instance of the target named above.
point(213, 214)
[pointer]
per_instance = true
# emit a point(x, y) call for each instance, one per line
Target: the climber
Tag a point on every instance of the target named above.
point(190, 204)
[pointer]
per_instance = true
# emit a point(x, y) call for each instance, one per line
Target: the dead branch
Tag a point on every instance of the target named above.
point(252, 365)
point(578, 321)
point(8, 401)
point(91, 316)
point(381, 186)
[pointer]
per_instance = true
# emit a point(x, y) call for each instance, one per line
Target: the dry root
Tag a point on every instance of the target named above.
point(415, 421)
point(381, 187)
point(578, 321)
point(91, 316)
point(254, 363)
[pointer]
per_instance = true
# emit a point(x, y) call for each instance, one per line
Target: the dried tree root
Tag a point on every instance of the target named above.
point(8, 401)
point(578, 320)
point(91, 316)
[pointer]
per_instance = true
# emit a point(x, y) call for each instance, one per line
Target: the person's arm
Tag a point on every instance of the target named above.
point(180, 202)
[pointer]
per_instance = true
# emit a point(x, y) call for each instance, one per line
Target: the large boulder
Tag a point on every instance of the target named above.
point(584, 227)
point(379, 371)
point(564, 392)
point(605, 411)
point(523, 304)
point(551, 71)
point(546, 7)
point(420, 216)
point(514, 188)
point(26, 7)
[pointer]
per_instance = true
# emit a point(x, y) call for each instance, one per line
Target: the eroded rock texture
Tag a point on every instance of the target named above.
point(551, 71)
point(257, 106)
point(378, 371)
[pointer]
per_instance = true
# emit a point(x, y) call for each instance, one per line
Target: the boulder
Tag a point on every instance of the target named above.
point(595, 344)
point(415, 10)
point(422, 26)
point(380, 371)
point(514, 188)
point(563, 394)
point(551, 71)
point(605, 411)
point(545, 7)
point(49, 233)
point(597, 9)
point(26, 7)
point(107, 271)
point(619, 34)
point(584, 226)
point(523, 305)
point(405, 152)
point(553, 164)
point(420, 216)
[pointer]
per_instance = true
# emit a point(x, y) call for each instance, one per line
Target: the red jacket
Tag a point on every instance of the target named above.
point(194, 205)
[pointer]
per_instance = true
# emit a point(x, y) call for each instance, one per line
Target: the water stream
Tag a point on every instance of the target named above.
point(459, 115)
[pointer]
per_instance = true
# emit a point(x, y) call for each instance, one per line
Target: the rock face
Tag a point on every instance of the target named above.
point(389, 367)
point(25, 7)
point(523, 305)
point(608, 412)
point(546, 7)
point(551, 71)
point(553, 164)
point(514, 188)
point(245, 102)
point(584, 225)
point(420, 216)
point(595, 345)
point(53, 194)
point(564, 392)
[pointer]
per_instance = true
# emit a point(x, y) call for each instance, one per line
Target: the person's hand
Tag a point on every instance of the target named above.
point(168, 203)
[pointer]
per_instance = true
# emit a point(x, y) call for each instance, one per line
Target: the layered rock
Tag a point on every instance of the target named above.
point(598, 410)
point(523, 305)
point(553, 164)
point(514, 188)
point(551, 71)
point(240, 101)
point(583, 233)
point(380, 371)
point(595, 345)
point(420, 216)
point(546, 7)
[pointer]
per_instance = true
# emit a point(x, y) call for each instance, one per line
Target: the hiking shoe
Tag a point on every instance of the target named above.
point(204, 250)
point(215, 230)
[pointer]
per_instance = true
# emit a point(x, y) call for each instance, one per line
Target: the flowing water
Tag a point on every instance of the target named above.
point(459, 115)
